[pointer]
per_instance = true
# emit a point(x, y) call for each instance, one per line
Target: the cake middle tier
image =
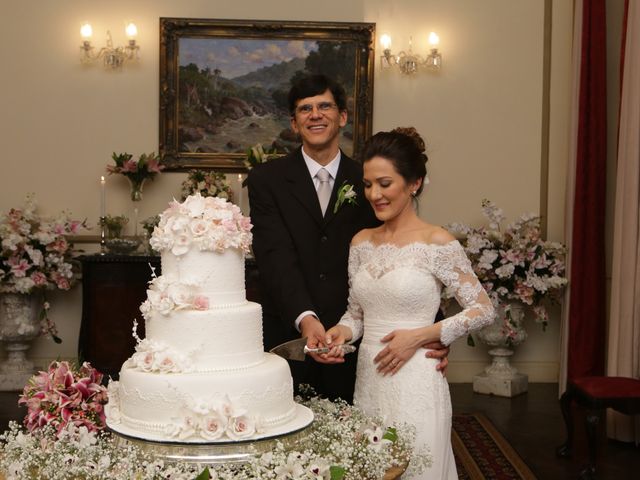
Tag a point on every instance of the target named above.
point(209, 340)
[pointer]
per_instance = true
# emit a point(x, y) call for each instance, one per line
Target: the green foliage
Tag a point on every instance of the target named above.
point(337, 472)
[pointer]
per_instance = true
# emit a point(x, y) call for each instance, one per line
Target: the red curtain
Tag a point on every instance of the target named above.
point(587, 319)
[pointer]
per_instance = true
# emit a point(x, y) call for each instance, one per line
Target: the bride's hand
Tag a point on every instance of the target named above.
point(336, 335)
point(401, 346)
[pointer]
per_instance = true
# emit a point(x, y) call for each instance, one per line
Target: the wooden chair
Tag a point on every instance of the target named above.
point(597, 394)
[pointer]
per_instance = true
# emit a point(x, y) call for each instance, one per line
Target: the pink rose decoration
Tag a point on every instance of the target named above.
point(200, 302)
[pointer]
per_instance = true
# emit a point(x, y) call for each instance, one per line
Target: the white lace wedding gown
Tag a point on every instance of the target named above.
point(394, 287)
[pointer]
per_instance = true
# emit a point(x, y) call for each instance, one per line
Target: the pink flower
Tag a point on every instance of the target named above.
point(18, 268)
point(39, 278)
point(524, 293)
point(200, 302)
point(130, 166)
point(62, 283)
point(154, 166)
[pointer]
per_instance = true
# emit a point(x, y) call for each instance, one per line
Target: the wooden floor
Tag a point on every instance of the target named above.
point(532, 423)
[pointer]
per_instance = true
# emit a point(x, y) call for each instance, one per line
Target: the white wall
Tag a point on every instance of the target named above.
point(481, 115)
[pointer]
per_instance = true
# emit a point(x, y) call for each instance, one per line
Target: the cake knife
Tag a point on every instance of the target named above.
point(297, 349)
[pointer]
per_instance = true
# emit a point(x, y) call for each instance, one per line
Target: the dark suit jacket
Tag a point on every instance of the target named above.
point(302, 257)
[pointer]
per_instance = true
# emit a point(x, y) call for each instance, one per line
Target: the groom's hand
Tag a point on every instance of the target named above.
point(313, 329)
point(439, 351)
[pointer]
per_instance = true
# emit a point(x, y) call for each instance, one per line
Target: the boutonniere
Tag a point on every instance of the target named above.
point(347, 194)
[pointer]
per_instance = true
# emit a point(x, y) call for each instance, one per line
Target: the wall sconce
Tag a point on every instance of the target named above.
point(111, 57)
point(408, 62)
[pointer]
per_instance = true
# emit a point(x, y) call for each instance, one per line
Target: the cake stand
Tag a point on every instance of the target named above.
point(223, 452)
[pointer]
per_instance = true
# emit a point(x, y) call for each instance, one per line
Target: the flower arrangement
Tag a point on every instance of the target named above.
point(65, 395)
point(149, 224)
point(148, 165)
point(212, 223)
point(207, 184)
point(514, 263)
point(342, 443)
point(114, 224)
point(35, 255)
point(257, 155)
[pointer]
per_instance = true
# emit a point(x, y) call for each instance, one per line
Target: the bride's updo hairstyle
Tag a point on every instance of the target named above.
point(404, 148)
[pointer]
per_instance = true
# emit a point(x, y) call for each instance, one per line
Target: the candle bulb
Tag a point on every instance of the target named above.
point(103, 197)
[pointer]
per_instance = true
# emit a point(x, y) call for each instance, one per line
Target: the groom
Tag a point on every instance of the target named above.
point(301, 237)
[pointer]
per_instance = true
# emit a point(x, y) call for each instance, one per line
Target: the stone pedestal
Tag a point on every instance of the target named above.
point(19, 325)
point(500, 386)
point(501, 378)
point(14, 382)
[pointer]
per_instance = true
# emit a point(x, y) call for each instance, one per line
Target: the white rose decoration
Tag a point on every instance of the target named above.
point(199, 227)
point(241, 427)
point(213, 426)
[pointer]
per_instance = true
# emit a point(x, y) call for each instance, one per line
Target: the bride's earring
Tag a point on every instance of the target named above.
point(413, 194)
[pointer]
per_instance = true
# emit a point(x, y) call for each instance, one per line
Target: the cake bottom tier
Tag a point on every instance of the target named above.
point(252, 403)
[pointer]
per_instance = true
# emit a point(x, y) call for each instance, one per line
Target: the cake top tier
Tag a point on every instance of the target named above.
point(211, 223)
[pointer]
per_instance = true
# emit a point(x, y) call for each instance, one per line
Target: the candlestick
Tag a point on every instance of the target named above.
point(103, 197)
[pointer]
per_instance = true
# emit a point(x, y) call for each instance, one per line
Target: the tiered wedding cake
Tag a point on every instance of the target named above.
point(201, 375)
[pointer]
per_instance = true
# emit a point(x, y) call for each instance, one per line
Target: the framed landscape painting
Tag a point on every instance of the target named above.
point(224, 85)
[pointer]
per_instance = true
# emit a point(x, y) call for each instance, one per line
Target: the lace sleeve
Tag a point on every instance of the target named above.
point(352, 318)
point(452, 267)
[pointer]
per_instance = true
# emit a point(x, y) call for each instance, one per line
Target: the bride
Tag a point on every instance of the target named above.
point(396, 273)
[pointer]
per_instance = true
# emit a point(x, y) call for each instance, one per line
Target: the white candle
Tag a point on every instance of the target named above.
point(135, 222)
point(240, 179)
point(103, 197)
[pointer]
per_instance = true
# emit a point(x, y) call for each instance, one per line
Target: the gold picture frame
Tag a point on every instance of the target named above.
point(223, 85)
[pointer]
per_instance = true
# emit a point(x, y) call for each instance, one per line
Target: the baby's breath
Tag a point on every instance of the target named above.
point(335, 447)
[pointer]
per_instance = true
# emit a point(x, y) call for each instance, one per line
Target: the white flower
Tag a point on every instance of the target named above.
point(289, 471)
point(195, 205)
point(104, 462)
point(112, 412)
point(374, 435)
point(173, 429)
point(319, 470)
point(15, 471)
point(165, 305)
point(166, 364)
point(181, 244)
point(199, 227)
point(487, 258)
point(241, 427)
point(505, 270)
point(213, 426)
point(475, 243)
point(85, 437)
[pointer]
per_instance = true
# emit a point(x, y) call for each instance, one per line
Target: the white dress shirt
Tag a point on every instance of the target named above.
point(313, 167)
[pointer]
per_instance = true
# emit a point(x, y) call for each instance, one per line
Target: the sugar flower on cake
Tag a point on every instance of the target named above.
point(112, 409)
point(165, 295)
point(154, 356)
point(210, 223)
point(241, 427)
point(213, 425)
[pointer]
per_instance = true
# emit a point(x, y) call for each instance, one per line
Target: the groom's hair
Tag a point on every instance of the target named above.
point(312, 85)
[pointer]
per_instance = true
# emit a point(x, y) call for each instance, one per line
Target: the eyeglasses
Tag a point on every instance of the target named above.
point(323, 108)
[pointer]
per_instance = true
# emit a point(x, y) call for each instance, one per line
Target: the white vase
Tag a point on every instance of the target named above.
point(19, 326)
point(505, 333)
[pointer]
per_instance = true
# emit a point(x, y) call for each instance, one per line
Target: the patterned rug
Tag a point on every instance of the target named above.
point(482, 452)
